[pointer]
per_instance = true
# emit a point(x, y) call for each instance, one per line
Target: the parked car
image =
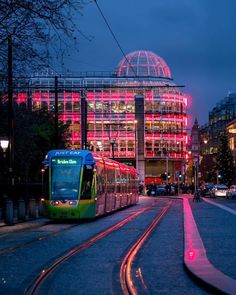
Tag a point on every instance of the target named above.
point(206, 189)
point(219, 191)
point(231, 192)
point(161, 190)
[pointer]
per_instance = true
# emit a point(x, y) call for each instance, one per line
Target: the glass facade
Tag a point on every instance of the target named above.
point(116, 125)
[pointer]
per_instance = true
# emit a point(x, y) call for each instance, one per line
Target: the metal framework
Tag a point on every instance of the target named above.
point(111, 112)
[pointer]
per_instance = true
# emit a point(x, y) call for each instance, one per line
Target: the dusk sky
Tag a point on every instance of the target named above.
point(196, 38)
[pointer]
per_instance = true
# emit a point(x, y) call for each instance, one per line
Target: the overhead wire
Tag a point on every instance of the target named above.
point(113, 35)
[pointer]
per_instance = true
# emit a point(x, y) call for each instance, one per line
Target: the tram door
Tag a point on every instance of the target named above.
point(87, 182)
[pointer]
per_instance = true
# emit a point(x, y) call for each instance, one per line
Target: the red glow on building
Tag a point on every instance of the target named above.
point(143, 64)
point(21, 98)
point(112, 111)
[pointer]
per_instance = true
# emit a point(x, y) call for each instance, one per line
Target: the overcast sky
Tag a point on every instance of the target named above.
point(196, 38)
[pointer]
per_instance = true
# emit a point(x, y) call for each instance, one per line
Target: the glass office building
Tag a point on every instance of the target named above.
point(136, 114)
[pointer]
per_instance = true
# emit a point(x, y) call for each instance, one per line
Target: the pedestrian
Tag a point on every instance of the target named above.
point(197, 196)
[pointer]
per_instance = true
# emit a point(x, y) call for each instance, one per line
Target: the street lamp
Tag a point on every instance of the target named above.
point(218, 176)
point(136, 143)
point(4, 143)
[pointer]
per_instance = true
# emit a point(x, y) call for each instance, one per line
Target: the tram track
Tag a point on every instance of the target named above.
point(126, 280)
point(43, 275)
point(8, 250)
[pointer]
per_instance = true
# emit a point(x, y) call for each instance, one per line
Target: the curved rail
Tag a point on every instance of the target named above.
point(45, 273)
point(125, 269)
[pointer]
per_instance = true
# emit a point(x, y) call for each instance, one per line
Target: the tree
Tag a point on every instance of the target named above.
point(33, 25)
point(34, 136)
point(224, 161)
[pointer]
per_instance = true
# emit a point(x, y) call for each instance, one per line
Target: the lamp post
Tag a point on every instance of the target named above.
point(4, 143)
point(42, 176)
point(10, 111)
point(135, 143)
point(195, 174)
point(167, 167)
point(165, 152)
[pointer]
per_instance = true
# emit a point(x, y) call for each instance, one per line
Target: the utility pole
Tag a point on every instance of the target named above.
point(56, 112)
point(112, 149)
point(136, 143)
point(10, 111)
point(83, 124)
point(167, 167)
point(112, 141)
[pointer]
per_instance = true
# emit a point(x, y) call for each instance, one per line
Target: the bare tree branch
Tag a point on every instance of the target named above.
point(33, 25)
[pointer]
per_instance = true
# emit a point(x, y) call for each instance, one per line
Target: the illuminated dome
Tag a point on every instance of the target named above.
point(143, 63)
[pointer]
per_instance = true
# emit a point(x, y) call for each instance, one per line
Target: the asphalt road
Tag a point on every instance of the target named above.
point(157, 269)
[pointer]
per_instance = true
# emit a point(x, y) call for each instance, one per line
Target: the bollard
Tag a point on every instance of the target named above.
point(9, 212)
point(21, 210)
point(37, 209)
point(32, 208)
point(41, 207)
point(1, 213)
point(15, 213)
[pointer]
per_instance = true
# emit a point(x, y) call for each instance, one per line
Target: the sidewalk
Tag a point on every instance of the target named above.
point(196, 258)
point(4, 228)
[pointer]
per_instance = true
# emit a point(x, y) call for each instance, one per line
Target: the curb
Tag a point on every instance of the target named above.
point(195, 258)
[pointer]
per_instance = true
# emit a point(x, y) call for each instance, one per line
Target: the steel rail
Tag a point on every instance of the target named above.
point(126, 281)
point(45, 272)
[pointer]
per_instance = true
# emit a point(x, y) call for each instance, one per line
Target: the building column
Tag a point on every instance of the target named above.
point(139, 116)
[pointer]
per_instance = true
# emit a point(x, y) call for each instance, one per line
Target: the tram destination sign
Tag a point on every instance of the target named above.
point(64, 161)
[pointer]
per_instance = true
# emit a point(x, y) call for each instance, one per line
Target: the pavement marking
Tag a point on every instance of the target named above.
point(232, 211)
point(195, 258)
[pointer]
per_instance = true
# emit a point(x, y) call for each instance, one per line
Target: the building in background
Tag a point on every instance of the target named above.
point(231, 131)
point(221, 115)
point(221, 119)
point(136, 115)
point(195, 141)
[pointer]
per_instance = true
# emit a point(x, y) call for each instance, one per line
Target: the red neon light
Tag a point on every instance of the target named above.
point(37, 96)
point(21, 98)
point(191, 254)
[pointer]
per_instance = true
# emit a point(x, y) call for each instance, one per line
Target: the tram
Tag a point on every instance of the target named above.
point(84, 185)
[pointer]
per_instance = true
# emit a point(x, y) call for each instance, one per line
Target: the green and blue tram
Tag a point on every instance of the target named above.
point(82, 184)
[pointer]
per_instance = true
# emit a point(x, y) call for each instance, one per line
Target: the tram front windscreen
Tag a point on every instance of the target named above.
point(65, 177)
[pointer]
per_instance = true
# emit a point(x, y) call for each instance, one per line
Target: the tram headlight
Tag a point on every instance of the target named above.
point(72, 203)
point(54, 203)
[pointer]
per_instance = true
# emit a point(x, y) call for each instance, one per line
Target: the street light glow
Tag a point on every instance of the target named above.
point(4, 144)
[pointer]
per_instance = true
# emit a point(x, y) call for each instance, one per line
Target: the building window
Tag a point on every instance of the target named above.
point(68, 106)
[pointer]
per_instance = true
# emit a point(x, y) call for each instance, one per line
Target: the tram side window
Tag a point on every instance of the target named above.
point(86, 190)
point(100, 180)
